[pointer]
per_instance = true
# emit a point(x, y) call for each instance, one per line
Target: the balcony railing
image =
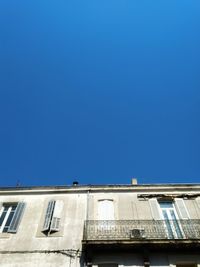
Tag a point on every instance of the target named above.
point(141, 230)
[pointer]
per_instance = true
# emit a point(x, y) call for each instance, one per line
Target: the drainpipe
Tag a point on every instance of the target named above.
point(86, 261)
point(87, 207)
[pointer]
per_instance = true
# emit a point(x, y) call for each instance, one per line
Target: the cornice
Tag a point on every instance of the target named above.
point(143, 188)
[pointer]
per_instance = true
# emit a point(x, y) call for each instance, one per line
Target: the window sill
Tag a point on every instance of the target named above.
point(5, 235)
point(53, 234)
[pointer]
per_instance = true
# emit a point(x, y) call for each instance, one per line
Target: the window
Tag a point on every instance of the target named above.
point(10, 217)
point(7, 214)
point(52, 216)
point(170, 217)
point(172, 213)
point(175, 208)
point(106, 209)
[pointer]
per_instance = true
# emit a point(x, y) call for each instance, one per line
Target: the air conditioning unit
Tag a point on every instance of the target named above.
point(137, 233)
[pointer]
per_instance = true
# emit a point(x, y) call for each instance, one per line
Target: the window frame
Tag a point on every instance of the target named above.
point(52, 218)
point(8, 212)
point(15, 219)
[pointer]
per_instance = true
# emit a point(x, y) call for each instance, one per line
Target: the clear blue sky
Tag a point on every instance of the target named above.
point(99, 91)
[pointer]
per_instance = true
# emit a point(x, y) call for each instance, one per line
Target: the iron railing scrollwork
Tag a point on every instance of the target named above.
point(141, 229)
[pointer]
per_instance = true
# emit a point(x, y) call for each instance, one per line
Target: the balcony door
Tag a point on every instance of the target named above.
point(106, 217)
point(171, 219)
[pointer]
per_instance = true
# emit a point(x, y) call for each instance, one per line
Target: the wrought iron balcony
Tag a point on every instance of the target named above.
point(95, 230)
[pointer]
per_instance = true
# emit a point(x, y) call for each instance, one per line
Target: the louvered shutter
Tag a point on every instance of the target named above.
point(48, 215)
point(181, 208)
point(198, 203)
point(1, 208)
point(155, 210)
point(55, 222)
point(14, 224)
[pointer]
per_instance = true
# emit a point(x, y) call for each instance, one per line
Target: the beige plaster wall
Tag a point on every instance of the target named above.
point(29, 235)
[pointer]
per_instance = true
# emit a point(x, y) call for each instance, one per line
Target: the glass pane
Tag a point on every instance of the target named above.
point(176, 225)
point(9, 218)
point(6, 208)
point(5, 229)
point(168, 225)
point(14, 207)
point(166, 205)
point(172, 215)
point(2, 217)
point(165, 215)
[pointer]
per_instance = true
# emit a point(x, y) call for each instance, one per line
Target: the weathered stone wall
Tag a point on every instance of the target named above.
point(31, 247)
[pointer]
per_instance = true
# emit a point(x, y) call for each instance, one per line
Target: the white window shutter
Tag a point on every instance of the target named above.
point(1, 210)
point(181, 208)
point(14, 224)
point(55, 222)
point(198, 203)
point(106, 209)
point(48, 215)
point(155, 209)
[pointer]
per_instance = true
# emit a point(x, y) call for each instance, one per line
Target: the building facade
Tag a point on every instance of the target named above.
point(100, 226)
